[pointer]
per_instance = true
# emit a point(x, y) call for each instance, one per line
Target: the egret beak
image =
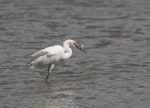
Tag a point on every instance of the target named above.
point(80, 47)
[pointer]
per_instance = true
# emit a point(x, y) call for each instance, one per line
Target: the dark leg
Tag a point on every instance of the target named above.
point(46, 79)
point(50, 67)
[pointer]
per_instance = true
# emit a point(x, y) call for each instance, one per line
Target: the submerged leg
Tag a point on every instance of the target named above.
point(50, 67)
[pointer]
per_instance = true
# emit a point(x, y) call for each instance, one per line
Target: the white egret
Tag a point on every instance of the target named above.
point(50, 55)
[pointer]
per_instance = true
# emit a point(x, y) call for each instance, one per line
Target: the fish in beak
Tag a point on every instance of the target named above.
point(80, 47)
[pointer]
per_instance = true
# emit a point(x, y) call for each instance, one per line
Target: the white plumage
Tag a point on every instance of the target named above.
point(50, 55)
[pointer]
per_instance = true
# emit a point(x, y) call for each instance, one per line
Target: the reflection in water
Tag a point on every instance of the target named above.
point(63, 99)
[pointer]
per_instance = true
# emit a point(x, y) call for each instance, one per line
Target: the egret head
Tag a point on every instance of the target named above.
point(74, 43)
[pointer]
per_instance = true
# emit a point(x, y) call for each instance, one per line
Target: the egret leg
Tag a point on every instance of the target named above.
point(50, 67)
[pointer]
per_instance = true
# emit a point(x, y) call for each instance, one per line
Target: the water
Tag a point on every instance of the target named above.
point(113, 74)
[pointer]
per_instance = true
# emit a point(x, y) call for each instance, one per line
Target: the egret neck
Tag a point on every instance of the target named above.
point(68, 51)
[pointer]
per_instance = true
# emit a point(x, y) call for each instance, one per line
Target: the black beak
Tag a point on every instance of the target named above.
point(80, 47)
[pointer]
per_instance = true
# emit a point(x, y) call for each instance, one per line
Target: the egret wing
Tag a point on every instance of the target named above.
point(39, 53)
point(55, 50)
point(49, 51)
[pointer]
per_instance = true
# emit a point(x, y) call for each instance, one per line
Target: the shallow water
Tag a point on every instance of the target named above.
point(113, 74)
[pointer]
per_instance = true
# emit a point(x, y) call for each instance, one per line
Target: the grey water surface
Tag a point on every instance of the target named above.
point(115, 72)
